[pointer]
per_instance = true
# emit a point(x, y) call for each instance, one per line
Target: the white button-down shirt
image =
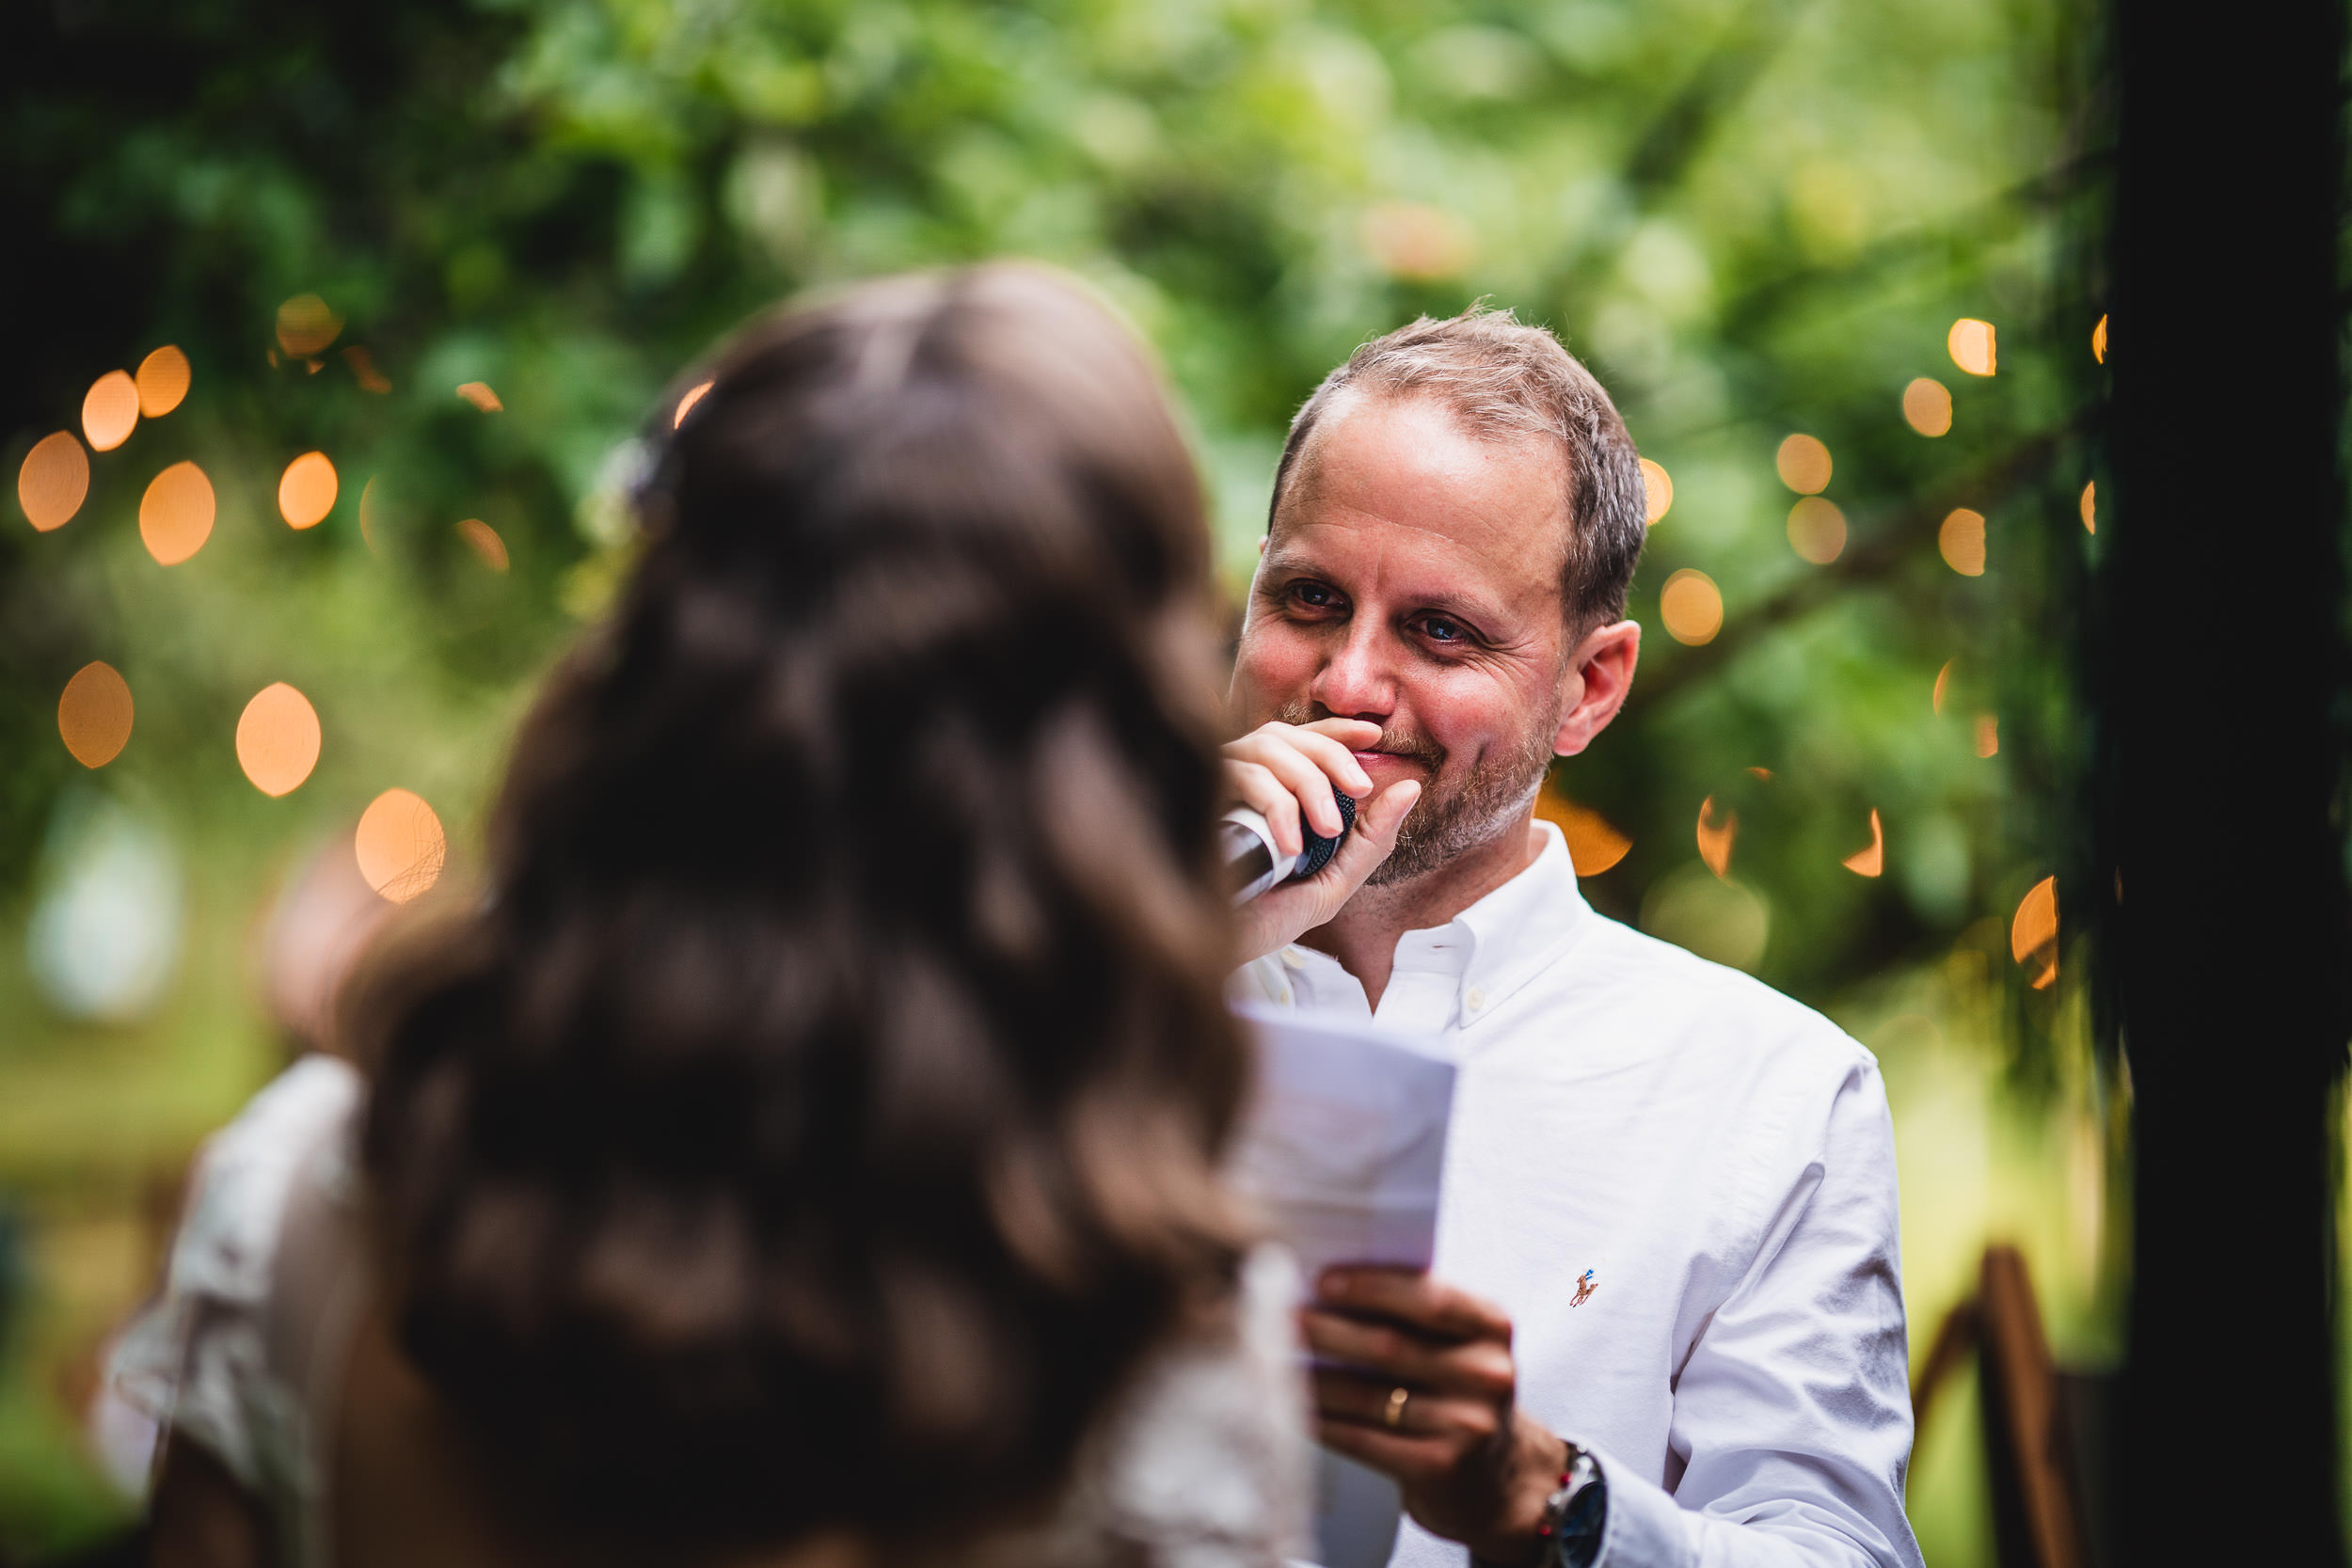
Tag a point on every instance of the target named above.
point(1680, 1185)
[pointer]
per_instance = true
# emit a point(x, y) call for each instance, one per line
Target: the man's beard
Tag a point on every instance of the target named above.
point(1450, 819)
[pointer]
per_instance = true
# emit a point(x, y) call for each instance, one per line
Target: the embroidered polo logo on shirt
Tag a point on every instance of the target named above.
point(1584, 1289)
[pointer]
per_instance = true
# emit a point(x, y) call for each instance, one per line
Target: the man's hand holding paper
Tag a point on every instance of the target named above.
point(1414, 1378)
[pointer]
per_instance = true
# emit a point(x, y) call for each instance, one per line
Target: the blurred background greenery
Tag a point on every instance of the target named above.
point(468, 249)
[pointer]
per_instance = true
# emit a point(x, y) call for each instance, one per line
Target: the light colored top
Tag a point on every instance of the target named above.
point(1680, 1185)
point(1204, 1463)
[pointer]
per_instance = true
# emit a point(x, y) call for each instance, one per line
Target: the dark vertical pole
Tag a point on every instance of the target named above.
point(2222, 676)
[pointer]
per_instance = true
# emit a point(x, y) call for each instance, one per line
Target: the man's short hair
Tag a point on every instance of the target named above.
point(1498, 377)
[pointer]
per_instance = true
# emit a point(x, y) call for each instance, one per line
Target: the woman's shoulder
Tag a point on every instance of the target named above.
point(197, 1357)
point(1205, 1463)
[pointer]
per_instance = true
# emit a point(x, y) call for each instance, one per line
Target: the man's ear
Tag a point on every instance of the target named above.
point(1600, 675)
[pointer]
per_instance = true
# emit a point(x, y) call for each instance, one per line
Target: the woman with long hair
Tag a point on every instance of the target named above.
point(805, 1150)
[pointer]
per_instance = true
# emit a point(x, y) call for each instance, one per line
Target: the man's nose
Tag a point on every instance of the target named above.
point(1358, 680)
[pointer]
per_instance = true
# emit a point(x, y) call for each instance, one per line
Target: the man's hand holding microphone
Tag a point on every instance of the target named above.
point(1287, 774)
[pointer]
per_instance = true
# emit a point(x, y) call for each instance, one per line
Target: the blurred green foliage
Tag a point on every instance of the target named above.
point(1750, 216)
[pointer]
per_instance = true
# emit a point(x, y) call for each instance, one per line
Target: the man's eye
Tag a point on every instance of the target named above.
point(1439, 630)
point(1314, 595)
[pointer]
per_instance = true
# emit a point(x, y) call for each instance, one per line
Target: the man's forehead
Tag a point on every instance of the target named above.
point(1403, 475)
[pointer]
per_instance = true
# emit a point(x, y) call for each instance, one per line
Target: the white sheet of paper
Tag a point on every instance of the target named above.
point(1343, 1140)
point(1342, 1147)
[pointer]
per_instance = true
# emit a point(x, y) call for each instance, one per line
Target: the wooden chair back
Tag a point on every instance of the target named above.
point(2038, 1502)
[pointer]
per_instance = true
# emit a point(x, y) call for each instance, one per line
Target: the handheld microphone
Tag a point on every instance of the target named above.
point(1253, 865)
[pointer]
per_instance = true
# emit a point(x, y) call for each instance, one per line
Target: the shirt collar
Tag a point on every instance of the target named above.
point(1502, 942)
point(1518, 930)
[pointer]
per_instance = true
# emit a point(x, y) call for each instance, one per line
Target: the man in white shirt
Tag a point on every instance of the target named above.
point(1666, 1249)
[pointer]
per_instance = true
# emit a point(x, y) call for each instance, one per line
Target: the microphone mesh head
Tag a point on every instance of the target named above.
point(1319, 849)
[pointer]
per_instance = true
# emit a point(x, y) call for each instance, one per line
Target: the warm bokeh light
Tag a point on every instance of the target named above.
point(1928, 407)
point(306, 492)
point(363, 370)
point(1803, 464)
point(278, 740)
point(371, 513)
point(2035, 931)
point(1962, 541)
point(2090, 507)
point(478, 394)
point(1942, 679)
point(54, 482)
point(94, 713)
point(176, 513)
point(110, 410)
point(2099, 341)
point(1816, 530)
point(1972, 344)
point(1416, 242)
point(484, 542)
point(1594, 843)
point(1988, 736)
point(400, 845)
point(162, 381)
point(1871, 861)
point(686, 405)
point(2037, 920)
point(306, 325)
point(1658, 492)
point(1764, 773)
point(1692, 606)
point(1715, 837)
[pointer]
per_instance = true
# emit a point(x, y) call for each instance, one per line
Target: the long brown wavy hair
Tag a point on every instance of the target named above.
point(820, 1117)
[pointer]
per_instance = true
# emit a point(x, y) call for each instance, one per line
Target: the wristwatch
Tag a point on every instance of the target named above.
point(1574, 1515)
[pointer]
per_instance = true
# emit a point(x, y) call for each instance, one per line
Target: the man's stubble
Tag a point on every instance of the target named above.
point(1451, 819)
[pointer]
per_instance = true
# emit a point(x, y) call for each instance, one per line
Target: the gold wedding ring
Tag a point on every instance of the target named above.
point(1394, 1415)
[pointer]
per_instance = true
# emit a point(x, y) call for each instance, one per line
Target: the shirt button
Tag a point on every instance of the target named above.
point(1283, 996)
point(1476, 999)
point(1292, 959)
